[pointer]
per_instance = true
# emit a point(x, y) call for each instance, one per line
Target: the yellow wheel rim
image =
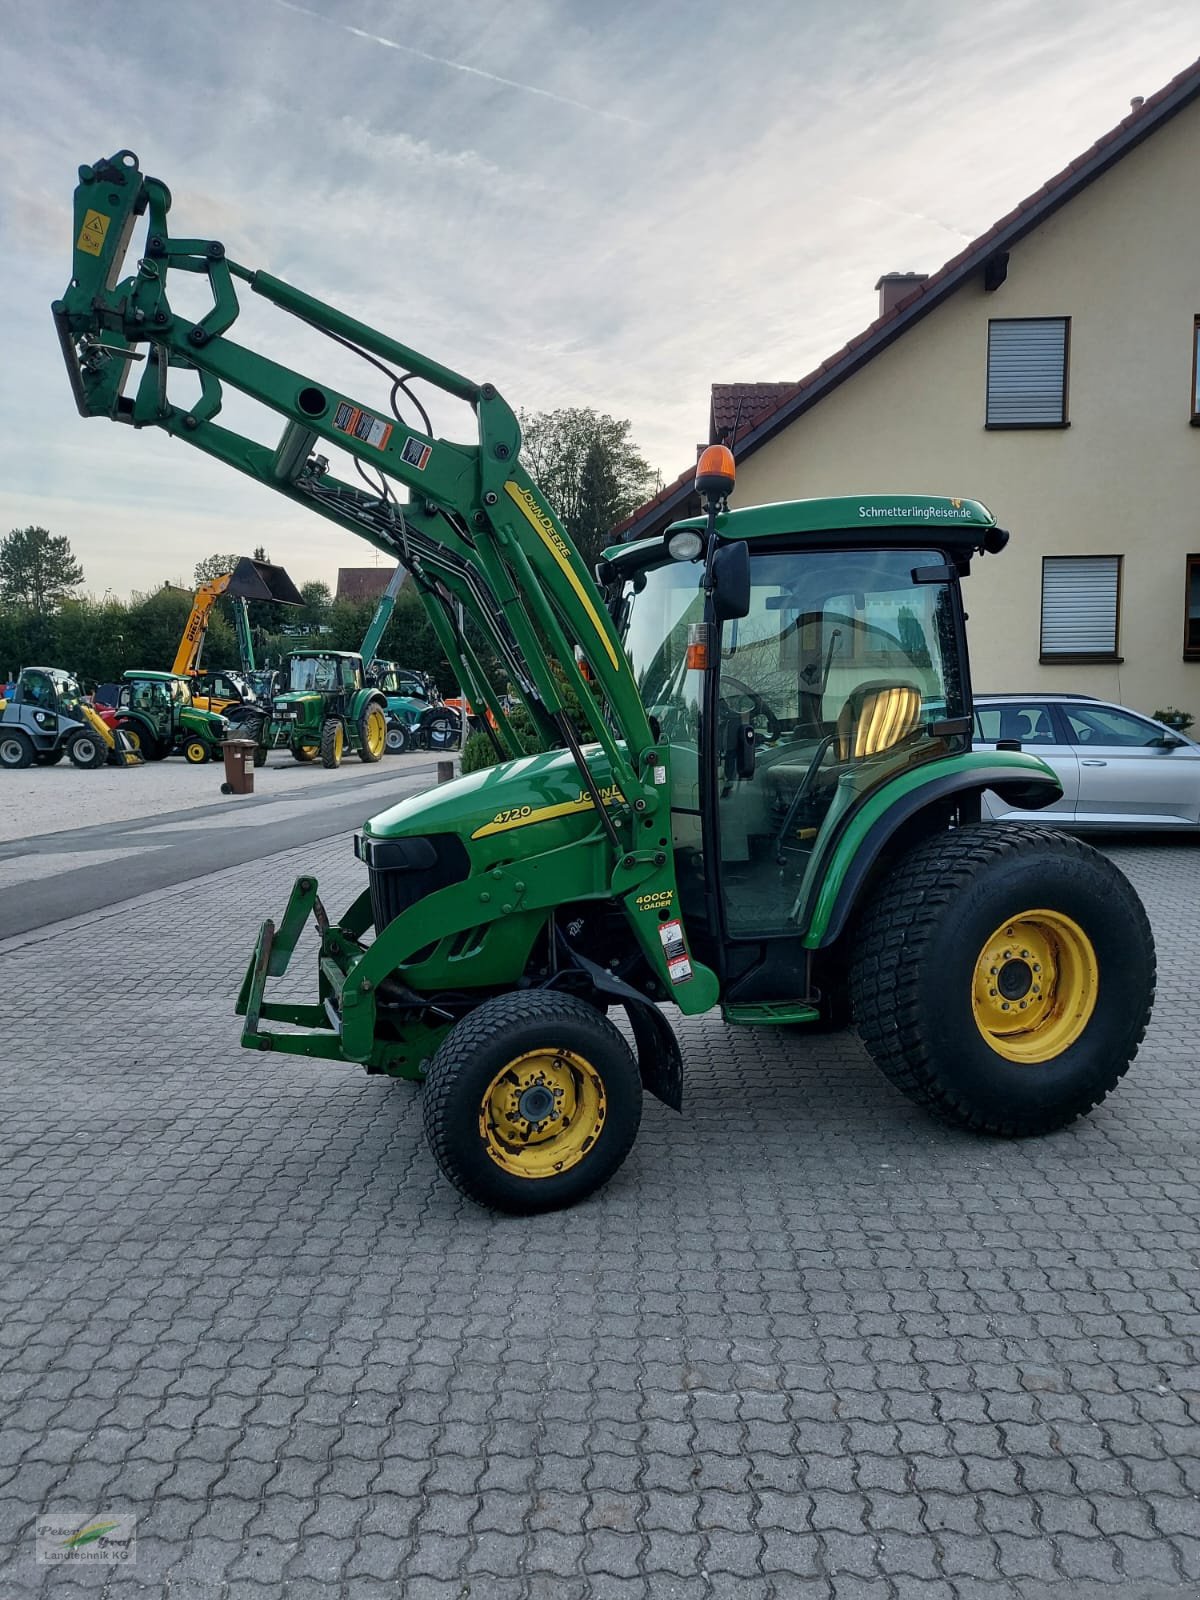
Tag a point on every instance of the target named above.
point(339, 739)
point(376, 731)
point(196, 752)
point(310, 752)
point(1034, 987)
point(542, 1114)
point(134, 737)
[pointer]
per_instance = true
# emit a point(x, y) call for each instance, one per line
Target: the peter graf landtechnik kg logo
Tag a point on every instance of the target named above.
point(70, 1538)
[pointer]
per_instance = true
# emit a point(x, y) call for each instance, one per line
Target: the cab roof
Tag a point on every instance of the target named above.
point(159, 677)
point(865, 520)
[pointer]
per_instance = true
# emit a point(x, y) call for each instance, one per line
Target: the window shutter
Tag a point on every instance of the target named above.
point(1027, 371)
point(1079, 605)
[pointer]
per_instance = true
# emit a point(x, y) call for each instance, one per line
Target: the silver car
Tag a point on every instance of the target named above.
point(1118, 769)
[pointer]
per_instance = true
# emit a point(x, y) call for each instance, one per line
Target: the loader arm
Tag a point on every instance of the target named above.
point(475, 530)
point(377, 626)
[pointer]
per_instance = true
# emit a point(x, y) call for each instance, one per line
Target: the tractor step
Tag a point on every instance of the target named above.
point(769, 1013)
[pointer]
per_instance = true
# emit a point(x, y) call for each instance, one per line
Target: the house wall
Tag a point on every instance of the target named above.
point(1122, 260)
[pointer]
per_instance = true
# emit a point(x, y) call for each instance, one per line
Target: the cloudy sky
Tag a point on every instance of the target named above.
point(589, 202)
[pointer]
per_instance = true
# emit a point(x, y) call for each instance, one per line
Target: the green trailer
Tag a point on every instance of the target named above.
point(773, 806)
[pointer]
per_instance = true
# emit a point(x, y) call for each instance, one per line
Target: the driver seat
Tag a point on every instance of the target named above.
point(875, 717)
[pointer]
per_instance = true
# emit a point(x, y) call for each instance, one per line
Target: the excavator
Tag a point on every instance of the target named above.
point(249, 580)
point(765, 799)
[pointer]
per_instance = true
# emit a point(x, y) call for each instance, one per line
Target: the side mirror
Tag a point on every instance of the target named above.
point(1167, 741)
point(731, 581)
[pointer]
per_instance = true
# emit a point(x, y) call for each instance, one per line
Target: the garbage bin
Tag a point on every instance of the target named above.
point(239, 766)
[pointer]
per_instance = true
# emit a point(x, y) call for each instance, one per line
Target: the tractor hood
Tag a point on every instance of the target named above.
point(212, 722)
point(409, 711)
point(502, 804)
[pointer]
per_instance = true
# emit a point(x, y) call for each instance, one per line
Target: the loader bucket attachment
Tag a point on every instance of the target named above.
point(260, 580)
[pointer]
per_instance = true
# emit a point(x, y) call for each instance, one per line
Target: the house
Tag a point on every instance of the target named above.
point(1050, 371)
point(363, 583)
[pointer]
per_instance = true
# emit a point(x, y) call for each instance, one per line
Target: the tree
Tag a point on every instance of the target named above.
point(589, 469)
point(317, 602)
point(213, 566)
point(38, 569)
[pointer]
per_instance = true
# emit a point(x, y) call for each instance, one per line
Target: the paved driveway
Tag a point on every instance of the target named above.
point(807, 1343)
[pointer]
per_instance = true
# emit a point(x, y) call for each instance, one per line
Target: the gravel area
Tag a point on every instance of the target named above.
point(42, 800)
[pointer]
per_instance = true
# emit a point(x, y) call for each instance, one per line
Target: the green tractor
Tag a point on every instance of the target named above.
point(155, 712)
point(774, 807)
point(325, 707)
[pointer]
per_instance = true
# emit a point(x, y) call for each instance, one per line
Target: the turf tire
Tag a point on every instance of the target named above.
point(914, 958)
point(478, 1048)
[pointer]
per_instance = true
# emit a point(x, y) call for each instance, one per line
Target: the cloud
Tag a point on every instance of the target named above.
point(586, 205)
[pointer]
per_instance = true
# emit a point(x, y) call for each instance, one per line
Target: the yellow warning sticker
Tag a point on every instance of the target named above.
point(92, 234)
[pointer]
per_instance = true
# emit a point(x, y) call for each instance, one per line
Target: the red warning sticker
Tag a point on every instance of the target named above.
point(679, 968)
point(362, 425)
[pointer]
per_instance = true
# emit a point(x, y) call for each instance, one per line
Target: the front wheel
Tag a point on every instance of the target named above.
point(1003, 977)
point(531, 1102)
point(332, 742)
point(397, 737)
point(195, 751)
point(87, 750)
point(372, 733)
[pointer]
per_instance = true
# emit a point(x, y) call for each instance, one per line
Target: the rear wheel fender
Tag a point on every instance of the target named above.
point(911, 817)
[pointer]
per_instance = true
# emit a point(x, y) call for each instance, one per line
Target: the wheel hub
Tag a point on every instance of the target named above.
point(1035, 986)
point(542, 1113)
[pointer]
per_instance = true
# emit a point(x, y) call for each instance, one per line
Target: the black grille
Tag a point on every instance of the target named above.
point(403, 871)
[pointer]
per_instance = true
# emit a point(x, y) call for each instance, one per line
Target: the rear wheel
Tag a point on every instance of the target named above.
point(305, 753)
point(16, 750)
point(87, 750)
point(372, 733)
point(531, 1102)
point(397, 737)
point(332, 743)
point(1003, 978)
point(143, 741)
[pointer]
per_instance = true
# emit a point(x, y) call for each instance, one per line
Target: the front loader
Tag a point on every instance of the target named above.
point(774, 806)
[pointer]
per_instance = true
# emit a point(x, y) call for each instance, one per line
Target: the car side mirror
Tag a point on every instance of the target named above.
point(1167, 741)
point(731, 581)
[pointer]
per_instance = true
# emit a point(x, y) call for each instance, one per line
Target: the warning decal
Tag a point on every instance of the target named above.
point(362, 425)
point(92, 234)
point(679, 968)
point(416, 452)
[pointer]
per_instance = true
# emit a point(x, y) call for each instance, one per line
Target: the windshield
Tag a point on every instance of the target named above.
point(308, 673)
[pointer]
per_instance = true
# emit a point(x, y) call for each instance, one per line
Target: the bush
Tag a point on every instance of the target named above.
point(1181, 721)
point(477, 753)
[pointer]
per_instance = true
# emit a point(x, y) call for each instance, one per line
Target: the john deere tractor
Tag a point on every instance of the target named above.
point(155, 711)
point(325, 707)
point(775, 807)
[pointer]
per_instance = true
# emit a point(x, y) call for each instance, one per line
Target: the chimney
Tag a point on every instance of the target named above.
point(896, 286)
point(1138, 101)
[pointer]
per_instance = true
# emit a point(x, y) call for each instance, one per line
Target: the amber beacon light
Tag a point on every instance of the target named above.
point(715, 471)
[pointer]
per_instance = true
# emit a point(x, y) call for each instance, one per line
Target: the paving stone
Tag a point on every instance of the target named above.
point(817, 1346)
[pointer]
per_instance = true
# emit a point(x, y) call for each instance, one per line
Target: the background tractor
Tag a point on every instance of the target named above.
point(417, 715)
point(47, 718)
point(326, 707)
point(774, 802)
point(155, 712)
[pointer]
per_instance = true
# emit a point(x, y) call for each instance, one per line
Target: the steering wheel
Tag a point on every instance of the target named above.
point(739, 701)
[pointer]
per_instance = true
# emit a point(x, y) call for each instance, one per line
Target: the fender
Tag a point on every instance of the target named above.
point(1021, 779)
